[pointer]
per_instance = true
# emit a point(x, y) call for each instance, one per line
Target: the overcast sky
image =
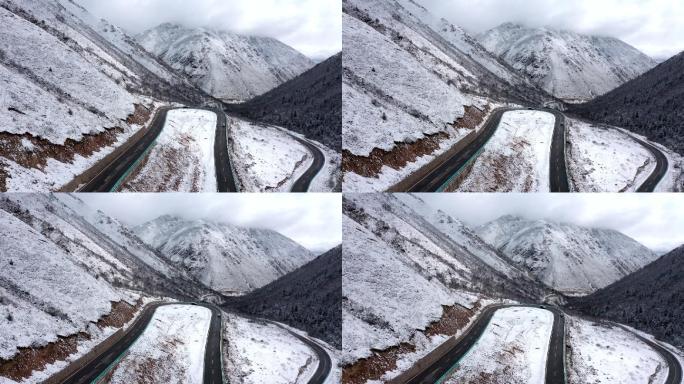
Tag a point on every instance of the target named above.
point(313, 27)
point(655, 220)
point(314, 220)
point(653, 26)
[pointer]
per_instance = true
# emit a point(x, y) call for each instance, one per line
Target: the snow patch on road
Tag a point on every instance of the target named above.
point(605, 159)
point(517, 156)
point(259, 352)
point(512, 349)
point(265, 158)
point(601, 353)
point(182, 157)
point(171, 350)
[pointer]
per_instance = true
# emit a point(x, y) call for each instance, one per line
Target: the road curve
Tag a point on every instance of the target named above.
point(111, 177)
point(100, 365)
point(555, 362)
point(324, 361)
point(441, 176)
point(674, 372)
point(660, 170)
point(303, 182)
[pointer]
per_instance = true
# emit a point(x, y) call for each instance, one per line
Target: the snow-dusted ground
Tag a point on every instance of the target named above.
point(512, 349)
point(264, 158)
point(259, 352)
point(171, 350)
point(182, 157)
point(329, 177)
point(602, 159)
point(517, 156)
point(602, 353)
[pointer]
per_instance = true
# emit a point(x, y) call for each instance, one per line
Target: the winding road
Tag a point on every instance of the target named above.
point(111, 177)
point(106, 361)
point(660, 170)
point(555, 363)
point(304, 181)
point(324, 361)
point(452, 167)
point(674, 372)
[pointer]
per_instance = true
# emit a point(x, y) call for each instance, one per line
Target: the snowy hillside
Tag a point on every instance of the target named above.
point(397, 60)
point(74, 89)
point(402, 262)
point(568, 65)
point(71, 277)
point(224, 257)
point(566, 257)
point(227, 66)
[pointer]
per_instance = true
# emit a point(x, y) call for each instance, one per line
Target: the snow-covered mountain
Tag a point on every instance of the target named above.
point(224, 257)
point(73, 88)
point(568, 65)
point(566, 257)
point(403, 261)
point(226, 65)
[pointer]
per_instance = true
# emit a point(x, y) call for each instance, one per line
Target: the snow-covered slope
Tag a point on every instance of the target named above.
point(224, 257)
point(70, 85)
point(226, 65)
point(71, 277)
point(412, 82)
point(566, 64)
point(566, 257)
point(402, 261)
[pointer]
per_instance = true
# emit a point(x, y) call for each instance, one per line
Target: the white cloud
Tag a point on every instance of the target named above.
point(654, 220)
point(313, 27)
point(314, 220)
point(653, 26)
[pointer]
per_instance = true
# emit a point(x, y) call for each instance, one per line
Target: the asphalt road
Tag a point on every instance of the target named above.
point(225, 179)
point(213, 371)
point(660, 170)
point(674, 372)
point(555, 363)
point(324, 362)
point(558, 174)
point(113, 174)
point(302, 184)
point(440, 176)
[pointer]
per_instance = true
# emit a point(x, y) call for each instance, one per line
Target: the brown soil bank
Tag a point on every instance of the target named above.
point(404, 153)
point(453, 319)
point(31, 359)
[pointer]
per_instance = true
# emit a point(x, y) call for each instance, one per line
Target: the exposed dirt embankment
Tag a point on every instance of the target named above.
point(31, 359)
point(404, 153)
point(34, 152)
point(454, 318)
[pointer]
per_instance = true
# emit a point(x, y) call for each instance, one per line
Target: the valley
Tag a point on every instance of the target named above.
point(433, 95)
point(112, 303)
point(456, 304)
point(88, 106)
